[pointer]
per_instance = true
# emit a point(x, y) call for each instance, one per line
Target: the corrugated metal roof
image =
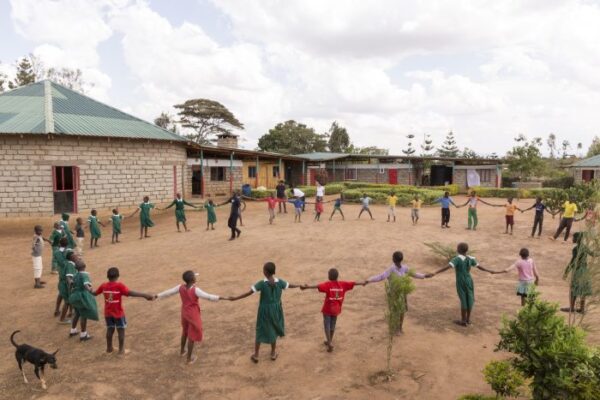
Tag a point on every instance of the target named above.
point(323, 156)
point(589, 162)
point(24, 111)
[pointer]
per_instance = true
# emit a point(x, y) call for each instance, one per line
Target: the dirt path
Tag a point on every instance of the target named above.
point(434, 358)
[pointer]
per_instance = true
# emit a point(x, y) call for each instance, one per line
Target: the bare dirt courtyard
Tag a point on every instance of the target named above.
point(434, 359)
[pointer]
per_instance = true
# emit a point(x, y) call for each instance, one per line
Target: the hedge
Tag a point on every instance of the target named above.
point(453, 189)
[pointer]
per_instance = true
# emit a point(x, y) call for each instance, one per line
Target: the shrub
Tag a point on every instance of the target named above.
point(261, 194)
point(476, 397)
point(397, 288)
point(564, 182)
point(504, 379)
point(445, 251)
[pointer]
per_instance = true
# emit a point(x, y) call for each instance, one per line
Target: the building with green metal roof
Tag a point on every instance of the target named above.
point(587, 169)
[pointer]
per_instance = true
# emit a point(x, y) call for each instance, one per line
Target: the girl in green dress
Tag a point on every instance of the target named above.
point(115, 220)
point(83, 301)
point(180, 204)
point(95, 232)
point(54, 238)
point(581, 284)
point(64, 223)
point(269, 321)
point(145, 221)
point(462, 265)
point(211, 215)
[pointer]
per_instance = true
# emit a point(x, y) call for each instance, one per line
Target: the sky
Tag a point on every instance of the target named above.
point(486, 70)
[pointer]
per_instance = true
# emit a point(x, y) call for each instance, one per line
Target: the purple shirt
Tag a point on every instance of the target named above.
point(403, 270)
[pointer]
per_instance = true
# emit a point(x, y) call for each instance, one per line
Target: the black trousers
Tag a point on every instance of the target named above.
point(564, 223)
point(538, 221)
point(232, 224)
point(445, 216)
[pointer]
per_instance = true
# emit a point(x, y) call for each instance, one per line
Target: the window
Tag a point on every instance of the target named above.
point(276, 171)
point(485, 175)
point(252, 172)
point(65, 186)
point(350, 174)
point(217, 173)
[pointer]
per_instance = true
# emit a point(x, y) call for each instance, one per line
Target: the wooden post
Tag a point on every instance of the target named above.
point(333, 170)
point(202, 191)
point(257, 173)
point(303, 172)
point(279, 173)
point(231, 174)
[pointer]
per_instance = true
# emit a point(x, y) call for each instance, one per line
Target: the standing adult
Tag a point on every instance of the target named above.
point(320, 191)
point(280, 189)
point(234, 214)
point(569, 210)
point(299, 194)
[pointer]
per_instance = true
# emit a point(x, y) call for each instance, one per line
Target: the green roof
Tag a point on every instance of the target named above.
point(589, 162)
point(322, 156)
point(46, 107)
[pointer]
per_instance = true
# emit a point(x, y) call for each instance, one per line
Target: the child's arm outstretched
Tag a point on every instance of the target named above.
point(139, 294)
point(485, 269)
point(439, 271)
point(133, 213)
point(241, 296)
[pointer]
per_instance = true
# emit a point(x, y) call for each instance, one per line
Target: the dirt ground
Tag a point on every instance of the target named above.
point(434, 359)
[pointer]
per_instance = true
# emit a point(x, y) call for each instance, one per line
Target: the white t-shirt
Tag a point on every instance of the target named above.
point(298, 193)
point(320, 191)
point(365, 201)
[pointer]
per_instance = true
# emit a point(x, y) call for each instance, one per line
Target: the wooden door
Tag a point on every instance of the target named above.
point(393, 176)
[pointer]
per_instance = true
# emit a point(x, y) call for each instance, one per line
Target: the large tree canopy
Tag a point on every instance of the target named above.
point(206, 118)
point(339, 140)
point(594, 149)
point(525, 159)
point(166, 121)
point(448, 148)
point(291, 137)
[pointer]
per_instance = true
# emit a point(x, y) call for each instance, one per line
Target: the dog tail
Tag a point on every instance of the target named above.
point(12, 340)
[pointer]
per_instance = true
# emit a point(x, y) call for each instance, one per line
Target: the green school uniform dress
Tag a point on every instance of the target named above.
point(269, 321)
point(581, 284)
point(179, 209)
point(145, 220)
point(54, 238)
point(95, 231)
point(464, 283)
point(67, 231)
point(210, 213)
point(67, 270)
point(59, 256)
point(81, 299)
point(116, 223)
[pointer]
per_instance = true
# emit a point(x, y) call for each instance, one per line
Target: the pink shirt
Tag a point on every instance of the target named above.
point(526, 269)
point(271, 202)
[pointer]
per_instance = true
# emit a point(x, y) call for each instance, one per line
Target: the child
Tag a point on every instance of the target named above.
point(83, 302)
point(211, 215)
point(445, 202)
point(280, 188)
point(332, 307)
point(145, 220)
point(337, 207)
point(462, 265)
point(399, 269)
point(392, 200)
point(570, 208)
point(298, 204)
point(365, 200)
point(581, 280)
point(59, 256)
point(528, 275)
point(416, 204)
point(269, 321)
point(318, 210)
point(55, 236)
point(271, 203)
point(510, 215)
point(180, 204)
point(80, 234)
point(191, 321)
point(66, 275)
point(95, 232)
point(538, 219)
point(116, 219)
point(37, 249)
point(64, 223)
point(473, 201)
point(114, 314)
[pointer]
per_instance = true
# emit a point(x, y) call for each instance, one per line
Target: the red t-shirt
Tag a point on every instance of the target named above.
point(271, 202)
point(113, 307)
point(334, 296)
point(319, 207)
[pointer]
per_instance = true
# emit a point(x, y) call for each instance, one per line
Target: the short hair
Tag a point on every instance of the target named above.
point(63, 242)
point(115, 211)
point(188, 276)
point(333, 274)
point(70, 255)
point(397, 257)
point(38, 228)
point(79, 265)
point(446, 193)
point(462, 248)
point(524, 253)
point(112, 273)
point(269, 268)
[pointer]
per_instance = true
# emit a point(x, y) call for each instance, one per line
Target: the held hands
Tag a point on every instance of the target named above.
point(430, 275)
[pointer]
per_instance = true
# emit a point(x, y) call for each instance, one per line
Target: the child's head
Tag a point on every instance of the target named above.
point(115, 211)
point(538, 199)
point(397, 258)
point(269, 269)
point(71, 256)
point(577, 236)
point(94, 212)
point(392, 193)
point(65, 216)
point(146, 199)
point(178, 195)
point(416, 197)
point(333, 274)
point(38, 230)
point(189, 277)
point(211, 202)
point(524, 253)
point(473, 194)
point(446, 194)
point(462, 248)
point(80, 221)
point(112, 274)
point(63, 242)
point(56, 226)
point(510, 200)
point(80, 265)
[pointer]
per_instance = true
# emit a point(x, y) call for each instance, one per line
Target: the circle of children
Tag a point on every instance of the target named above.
point(76, 294)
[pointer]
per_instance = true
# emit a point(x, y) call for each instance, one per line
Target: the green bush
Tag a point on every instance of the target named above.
point(261, 194)
point(504, 379)
point(564, 182)
point(476, 397)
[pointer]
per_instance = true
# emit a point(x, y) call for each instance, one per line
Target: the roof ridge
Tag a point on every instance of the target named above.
point(48, 107)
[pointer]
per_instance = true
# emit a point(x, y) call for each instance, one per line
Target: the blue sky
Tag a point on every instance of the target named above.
point(485, 70)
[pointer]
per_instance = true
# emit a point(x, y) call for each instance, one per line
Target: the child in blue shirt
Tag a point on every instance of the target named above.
point(298, 204)
point(445, 201)
point(337, 206)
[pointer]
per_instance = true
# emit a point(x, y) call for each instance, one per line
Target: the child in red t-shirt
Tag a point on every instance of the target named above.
point(332, 307)
point(318, 209)
point(113, 308)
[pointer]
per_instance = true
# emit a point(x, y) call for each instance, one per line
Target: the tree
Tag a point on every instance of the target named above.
point(206, 118)
point(565, 147)
point(397, 290)
point(29, 70)
point(68, 77)
point(448, 148)
point(291, 137)
point(166, 121)
point(469, 153)
point(551, 142)
point(594, 148)
point(369, 150)
point(409, 151)
point(579, 149)
point(427, 145)
point(525, 159)
point(3, 80)
point(339, 140)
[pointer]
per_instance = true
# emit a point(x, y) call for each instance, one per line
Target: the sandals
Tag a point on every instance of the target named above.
point(254, 359)
point(274, 356)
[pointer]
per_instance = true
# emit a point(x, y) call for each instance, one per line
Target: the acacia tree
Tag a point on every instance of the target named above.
point(291, 137)
point(206, 118)
point(166, 121)
point(448, 147)
point(68, 77)
point(525, 159)
point(339, 140)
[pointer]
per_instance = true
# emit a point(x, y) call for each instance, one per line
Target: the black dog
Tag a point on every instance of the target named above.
point(37, 357)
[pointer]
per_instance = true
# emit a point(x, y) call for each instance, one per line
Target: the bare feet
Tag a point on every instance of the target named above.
point(254, 358)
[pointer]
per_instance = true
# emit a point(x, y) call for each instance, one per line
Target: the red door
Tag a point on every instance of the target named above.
point(313, 177)
point(393, 176)
point(587, 175)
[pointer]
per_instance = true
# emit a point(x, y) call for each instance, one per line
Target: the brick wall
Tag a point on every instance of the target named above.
point(115, 173)
point(460, 178)
point(215, 188)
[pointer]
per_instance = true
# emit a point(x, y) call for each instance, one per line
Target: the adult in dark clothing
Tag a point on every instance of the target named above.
point(234, 214)
point(280, 189)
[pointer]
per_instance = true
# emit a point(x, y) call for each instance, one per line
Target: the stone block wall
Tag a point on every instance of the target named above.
point(460, 178)
point(214, 188)
point(113, 173)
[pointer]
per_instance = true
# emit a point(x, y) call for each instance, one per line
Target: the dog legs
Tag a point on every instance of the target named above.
point(20, 362)
point(43, 379)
